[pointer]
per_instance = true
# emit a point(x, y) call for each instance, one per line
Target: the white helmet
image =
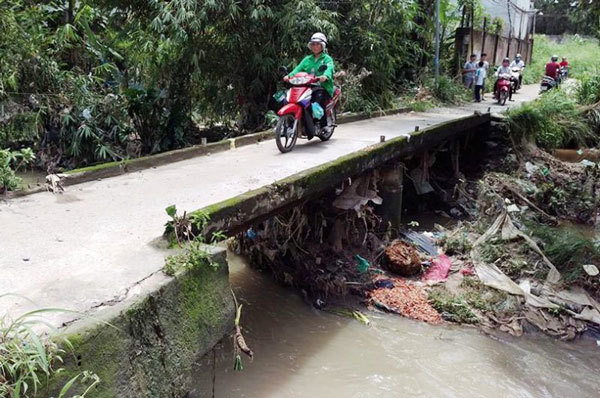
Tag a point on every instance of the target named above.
point(318, 38)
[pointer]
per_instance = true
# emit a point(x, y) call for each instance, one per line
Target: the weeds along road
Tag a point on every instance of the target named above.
point(98, 243)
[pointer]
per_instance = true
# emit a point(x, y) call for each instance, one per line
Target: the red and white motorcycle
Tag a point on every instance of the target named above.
point(295, 117)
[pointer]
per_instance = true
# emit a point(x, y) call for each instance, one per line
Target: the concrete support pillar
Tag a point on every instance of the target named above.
point(390, 190)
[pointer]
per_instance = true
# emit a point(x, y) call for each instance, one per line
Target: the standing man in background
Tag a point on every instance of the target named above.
point(479, 79)
point(469, 71)
point(486, 66)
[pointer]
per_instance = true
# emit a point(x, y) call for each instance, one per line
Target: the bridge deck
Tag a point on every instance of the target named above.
point(95, 245)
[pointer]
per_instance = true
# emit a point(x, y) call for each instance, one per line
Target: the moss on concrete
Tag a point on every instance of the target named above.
point(234, 214)
point(98, 167)
point(156, 340)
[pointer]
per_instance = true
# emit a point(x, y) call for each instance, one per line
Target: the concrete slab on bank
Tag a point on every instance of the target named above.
point(146, 345)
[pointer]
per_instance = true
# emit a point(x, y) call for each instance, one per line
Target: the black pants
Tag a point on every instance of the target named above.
point(321, 96)
point(478, 91)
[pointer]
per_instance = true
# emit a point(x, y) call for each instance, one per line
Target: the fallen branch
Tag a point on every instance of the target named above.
point(238, 337)
point(528, 202)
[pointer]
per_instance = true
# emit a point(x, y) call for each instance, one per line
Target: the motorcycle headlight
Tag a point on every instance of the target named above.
point(299, 80)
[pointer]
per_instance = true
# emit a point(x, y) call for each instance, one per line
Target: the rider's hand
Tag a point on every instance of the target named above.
point(286, 79)
point(323, 79)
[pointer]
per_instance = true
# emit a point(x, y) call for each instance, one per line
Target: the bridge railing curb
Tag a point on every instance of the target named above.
point(113, 169)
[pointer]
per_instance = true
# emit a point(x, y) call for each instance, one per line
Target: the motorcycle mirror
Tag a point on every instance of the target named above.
point(283, 70)
point(322, 68)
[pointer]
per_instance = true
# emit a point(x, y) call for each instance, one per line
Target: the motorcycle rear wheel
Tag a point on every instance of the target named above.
point(326, 136)
point(284, 138)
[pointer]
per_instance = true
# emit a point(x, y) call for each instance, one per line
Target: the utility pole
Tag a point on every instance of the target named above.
point(437, 42)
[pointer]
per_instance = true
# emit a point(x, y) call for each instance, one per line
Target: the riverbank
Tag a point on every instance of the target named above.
point(301, 351)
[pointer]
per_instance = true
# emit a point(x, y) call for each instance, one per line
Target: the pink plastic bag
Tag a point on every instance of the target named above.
point(438, 272)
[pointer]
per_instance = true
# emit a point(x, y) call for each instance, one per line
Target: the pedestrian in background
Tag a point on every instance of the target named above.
point(480, 75)
point(469, 71)
point(486, 66)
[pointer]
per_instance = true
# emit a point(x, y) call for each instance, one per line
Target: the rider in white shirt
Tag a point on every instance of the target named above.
point(518, 63)
point(505, 72)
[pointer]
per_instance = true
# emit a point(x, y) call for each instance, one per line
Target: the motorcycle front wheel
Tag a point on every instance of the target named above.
point(502, 98)
point(286, 133)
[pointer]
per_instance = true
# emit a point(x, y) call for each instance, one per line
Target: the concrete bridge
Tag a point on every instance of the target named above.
point(96, 249)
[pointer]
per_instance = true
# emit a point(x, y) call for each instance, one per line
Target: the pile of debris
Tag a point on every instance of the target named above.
point(493, 268)
point(512, 258)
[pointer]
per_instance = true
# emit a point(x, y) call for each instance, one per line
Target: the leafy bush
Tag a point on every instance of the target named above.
point(11, 161)
point(85, 82)
point(451, 91)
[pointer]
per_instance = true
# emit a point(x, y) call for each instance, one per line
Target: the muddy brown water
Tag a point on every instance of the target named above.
point(302, 352)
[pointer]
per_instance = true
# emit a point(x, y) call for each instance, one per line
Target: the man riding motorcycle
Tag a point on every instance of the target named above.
point(553, 68)
point(310, 64)
point(503, 72)
point(518, 64)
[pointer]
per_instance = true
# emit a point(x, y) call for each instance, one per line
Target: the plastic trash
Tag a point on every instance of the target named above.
point(317, 110)
point(591, 269)
point(384, 283)
point(251, 234)
point(454, 212)
point(423, 243)
point(531, 168)
point(587, 163)
point(513, 208)
point(362, 265)
point(279, 96)
point(438, 272)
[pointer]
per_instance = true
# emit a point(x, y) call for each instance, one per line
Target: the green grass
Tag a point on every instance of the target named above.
point(583, 55)
point(553, 121)
point(452, 308)
point(564, 117)
point(588, 90)
point(568, 249)
point(28, 360)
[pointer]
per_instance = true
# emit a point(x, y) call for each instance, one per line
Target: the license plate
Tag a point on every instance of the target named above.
point(544, 88)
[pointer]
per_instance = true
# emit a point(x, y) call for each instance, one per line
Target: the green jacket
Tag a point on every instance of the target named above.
point(311, 65)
